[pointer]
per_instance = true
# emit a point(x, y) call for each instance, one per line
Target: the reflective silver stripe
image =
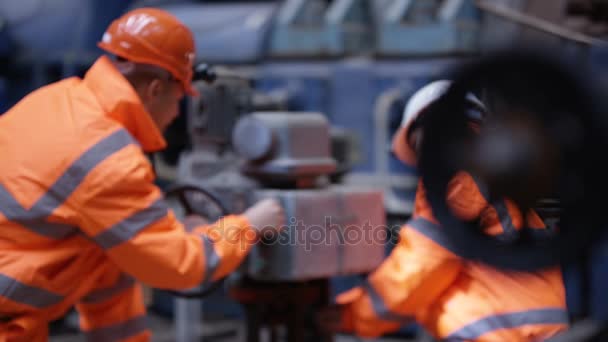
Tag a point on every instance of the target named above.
point(126, 229)
point(432, 231)
point(9, 206)
point(509, 320)
point(73, 176)
point(380, 307)
point(35, 218)
point(33, 221)
point(124, 282)
point(21, 293)
point(119, 331)
point(212, 260)
point(52, 230)
point(509, 233)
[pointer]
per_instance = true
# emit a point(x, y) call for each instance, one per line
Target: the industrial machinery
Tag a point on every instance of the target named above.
point(287, 156)
point(435, 28)
point(240, 156)
point(321, 28)
point(339, 58)
point(354, 61)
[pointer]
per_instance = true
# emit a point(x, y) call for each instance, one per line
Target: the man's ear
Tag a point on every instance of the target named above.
point(147, 91)
point(153, 89)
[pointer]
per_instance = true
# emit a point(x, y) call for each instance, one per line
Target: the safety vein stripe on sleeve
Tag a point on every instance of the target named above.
point(34, 219)
point(118, 331)
point(212, 259)
point(431, 231)
point(380, 307)
point(124, 282)
point(75, 174)
point(488, 324)
point(19, 292)
point(509, 233)
point(9, 205)
point(129, 227)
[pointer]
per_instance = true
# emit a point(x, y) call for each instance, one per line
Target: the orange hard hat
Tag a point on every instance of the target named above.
point(153, 36)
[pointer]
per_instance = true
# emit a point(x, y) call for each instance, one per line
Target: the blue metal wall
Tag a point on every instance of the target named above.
point(51, 39)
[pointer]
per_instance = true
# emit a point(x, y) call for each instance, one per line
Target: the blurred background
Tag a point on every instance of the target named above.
point(354, 62)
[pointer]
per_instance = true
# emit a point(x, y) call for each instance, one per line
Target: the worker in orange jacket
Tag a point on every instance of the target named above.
point(81, 221)
point(424, 281)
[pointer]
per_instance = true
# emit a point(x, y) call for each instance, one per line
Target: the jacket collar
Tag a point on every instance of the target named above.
point(120, 102)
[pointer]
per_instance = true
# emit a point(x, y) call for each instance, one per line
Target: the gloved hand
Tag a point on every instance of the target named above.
point(266, 216)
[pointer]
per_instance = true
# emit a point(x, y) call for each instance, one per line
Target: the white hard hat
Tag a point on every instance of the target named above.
point(417, 103)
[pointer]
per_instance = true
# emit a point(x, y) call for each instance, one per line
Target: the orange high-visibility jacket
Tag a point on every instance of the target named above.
point(452, 298)
point(81, 219)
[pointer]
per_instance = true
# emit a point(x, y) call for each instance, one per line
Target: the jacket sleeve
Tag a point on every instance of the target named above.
point(121, 210)
point(416, 272)
point(464, 196)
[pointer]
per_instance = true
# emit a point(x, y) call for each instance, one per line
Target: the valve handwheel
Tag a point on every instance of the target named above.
point(190, 199)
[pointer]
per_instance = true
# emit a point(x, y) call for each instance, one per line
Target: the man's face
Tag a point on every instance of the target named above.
point(414, 139)
point(163, 100)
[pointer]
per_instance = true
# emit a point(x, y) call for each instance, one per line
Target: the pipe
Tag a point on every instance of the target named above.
point(536, 23)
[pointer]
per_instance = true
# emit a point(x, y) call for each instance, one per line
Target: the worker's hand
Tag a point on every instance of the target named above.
point(332, 319)
point(193, 221)
point(266, 216)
